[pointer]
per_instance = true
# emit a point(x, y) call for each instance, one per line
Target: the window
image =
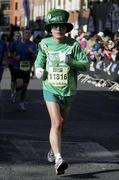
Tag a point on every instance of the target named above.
point(16, 19)
point(5, 21)
point(5, 6)
point(16, 6)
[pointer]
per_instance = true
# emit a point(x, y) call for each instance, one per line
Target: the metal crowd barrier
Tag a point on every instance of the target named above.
point(98, 82)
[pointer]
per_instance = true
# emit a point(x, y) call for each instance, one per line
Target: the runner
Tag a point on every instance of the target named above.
point(58, 62)
point(11, 64)
point(24, 52)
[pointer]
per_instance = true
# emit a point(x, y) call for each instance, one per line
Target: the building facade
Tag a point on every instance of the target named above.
point(39, 9)
point(4, 14)
point(33, 13)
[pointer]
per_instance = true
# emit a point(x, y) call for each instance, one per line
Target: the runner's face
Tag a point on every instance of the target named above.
point(58, 31)
point(27, 34)
point(17, 35)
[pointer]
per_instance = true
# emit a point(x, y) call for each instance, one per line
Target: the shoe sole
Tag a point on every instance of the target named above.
point(61, 169)
point(60, 172)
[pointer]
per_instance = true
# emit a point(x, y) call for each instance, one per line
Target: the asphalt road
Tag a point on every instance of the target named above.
point(90, 143)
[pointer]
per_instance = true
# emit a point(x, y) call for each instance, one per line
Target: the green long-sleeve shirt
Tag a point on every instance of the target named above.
point(59, 77)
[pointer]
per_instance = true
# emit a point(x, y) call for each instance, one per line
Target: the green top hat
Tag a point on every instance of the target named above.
point(58, 16)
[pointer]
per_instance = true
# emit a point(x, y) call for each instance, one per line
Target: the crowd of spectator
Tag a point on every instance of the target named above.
point(99, 45)
point(103, 52)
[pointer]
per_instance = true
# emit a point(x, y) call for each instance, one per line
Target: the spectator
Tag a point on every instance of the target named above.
point(11, 64)
point(94, 48)
point(108, 50)
point(82, 40)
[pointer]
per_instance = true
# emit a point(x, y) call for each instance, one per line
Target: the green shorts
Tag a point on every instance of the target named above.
point(63, 101)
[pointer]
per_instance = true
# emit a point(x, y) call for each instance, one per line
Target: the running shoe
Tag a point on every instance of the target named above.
point(22, 106)
point(60, 166)
point(50, 156)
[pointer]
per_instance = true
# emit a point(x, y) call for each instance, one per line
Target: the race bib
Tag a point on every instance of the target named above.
point(25, 65)
point(58, 76)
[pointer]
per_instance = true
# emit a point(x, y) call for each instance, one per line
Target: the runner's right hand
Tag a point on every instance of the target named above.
point(39, 72)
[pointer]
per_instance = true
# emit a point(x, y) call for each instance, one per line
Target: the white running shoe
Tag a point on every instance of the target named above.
point(60, 166)
point(50, 156)
point(22, 106)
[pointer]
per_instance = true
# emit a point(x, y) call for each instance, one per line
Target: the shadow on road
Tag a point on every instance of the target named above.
point(92, 175)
